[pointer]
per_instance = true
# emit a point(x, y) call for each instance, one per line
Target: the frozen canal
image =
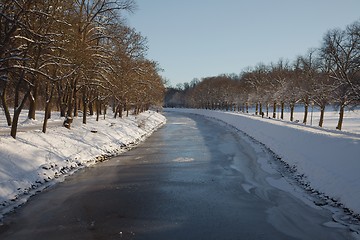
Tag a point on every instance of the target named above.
point(192, 179)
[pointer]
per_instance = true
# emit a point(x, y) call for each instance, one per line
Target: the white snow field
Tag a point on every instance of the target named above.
point(34, 160)
point(325, 160)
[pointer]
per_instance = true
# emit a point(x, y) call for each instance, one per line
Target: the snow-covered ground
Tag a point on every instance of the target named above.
point(323, 159)
point(351, 119)
point(36, 160)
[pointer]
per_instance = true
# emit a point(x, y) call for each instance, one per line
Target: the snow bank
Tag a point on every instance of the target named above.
point(36, 160)
point(329, 159)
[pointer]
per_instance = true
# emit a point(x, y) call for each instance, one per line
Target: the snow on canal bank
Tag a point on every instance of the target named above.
point(325, 160)
point(36, 160)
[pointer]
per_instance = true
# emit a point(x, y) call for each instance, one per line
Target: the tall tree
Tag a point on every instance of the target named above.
point(341, 50)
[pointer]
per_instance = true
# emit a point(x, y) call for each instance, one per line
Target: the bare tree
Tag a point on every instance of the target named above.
point(11, 51)
point(67, 47)
point(279, 77)
point(341, 50)
point(89, 49)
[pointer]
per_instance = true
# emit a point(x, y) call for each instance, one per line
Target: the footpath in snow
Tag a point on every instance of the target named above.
point(326, 160)
point(34, 160)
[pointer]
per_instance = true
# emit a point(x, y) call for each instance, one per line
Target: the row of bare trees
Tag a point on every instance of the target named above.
point(326, 75)
point(73, 55)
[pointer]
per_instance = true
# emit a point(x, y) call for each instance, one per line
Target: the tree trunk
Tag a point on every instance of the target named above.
point(105, 109)
point(120, 110)
point(48, 109)
point(5, 106)
point(76, 108)
point(306, 106)
point(256, 108)
point(274, 110)
point(17, 90)
point(18, 106)
point(73, 97)
point(33, 98)
point(126, 108)
point(33, 101)
point(292, 106)
point(62, 99)
point(15, 121)
point(91, 108)
point(322, 113)
point(341, 117)
point(97, 109)
point(113, 105)
point(282, 110)
point(17, 112)
point(84, 99)
point(70, 102)
point(116, 110)
point(70, 105)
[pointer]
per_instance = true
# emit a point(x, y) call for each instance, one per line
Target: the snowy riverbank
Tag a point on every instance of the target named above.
point(326, 160)
point(36, 160)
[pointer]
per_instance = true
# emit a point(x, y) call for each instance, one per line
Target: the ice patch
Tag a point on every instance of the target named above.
point(334, 225)
point(183, 159)
point(285, 186)
point(247, 187)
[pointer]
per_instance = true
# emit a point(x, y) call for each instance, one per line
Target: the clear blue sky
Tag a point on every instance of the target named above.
point(201, 38)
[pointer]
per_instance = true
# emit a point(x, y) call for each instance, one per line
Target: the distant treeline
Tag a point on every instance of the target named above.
point(326, 75)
